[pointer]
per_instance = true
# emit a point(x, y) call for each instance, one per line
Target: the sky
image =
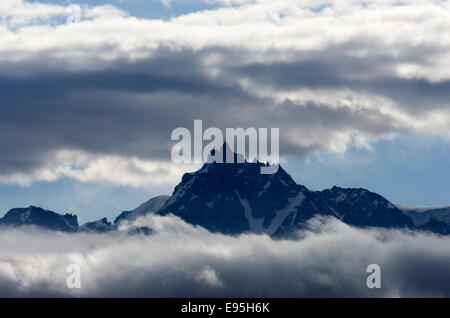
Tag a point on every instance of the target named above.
point(359, 90)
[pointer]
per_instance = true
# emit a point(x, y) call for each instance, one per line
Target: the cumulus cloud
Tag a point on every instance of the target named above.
point(115, 170)
point(180, 260)
point(329, 74)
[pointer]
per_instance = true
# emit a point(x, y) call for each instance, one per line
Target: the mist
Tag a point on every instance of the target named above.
point(180, 260)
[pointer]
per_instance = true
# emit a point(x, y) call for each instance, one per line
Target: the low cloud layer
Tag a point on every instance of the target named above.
point(328, 74)
point(180, 260)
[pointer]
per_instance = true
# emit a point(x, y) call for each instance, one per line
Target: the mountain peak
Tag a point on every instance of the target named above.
point(44, 218)
point(236, 198)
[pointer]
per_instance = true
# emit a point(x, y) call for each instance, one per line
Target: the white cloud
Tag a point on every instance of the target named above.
point(208, 275)
point(185, 261)
point(380, 64)
point(115, 170)
point(268, 25)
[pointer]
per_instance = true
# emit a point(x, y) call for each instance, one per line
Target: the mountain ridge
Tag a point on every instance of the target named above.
point(39, 217)
point(234, 198)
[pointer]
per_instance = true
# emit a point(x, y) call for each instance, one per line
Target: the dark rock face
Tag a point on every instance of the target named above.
point(42, 218)
point(121, 217)
point(227, 197)
point(235, 198)
point(100, 226)
point(53, 221)
point(436, 226)
point(361, 207)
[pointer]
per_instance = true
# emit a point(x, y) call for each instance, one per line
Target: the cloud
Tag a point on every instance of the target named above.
point(328, 74)
point(114, 170)
point(181, 260)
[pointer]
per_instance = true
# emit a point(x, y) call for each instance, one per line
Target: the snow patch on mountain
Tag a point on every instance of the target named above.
point(255, 225)
point(281, 215)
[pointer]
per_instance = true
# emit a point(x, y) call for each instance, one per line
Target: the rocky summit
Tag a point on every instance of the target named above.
point(234, 198)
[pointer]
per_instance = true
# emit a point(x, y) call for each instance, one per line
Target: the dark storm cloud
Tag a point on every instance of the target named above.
point(107, 112)
point(180, 260)
point(112, 84)
point(180, 71)
point(374, 76)
point(131, 108)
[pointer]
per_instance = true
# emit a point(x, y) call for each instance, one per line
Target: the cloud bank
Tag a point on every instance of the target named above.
point(180, 260)
point(329, 74)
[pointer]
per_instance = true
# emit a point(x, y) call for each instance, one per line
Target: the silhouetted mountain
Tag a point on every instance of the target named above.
point(42, 218)
point(435, 226)
point(233, 198)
